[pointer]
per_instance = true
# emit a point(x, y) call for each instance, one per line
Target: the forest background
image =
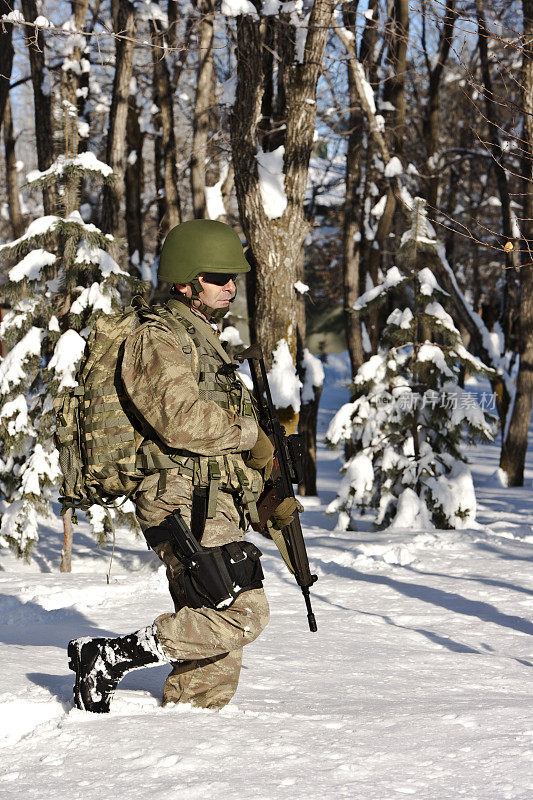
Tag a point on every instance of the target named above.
point(311, 127)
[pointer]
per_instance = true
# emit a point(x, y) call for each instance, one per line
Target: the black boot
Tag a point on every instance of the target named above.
point(100, 664)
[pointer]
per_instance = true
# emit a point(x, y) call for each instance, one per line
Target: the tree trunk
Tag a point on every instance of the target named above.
point(352, 213)
point(307, 428)
point(70, 85)
point(202, 108)
point(514, 451)
point(159, 179)
point(134, 181)
point(68, 535)
point(163, 95)
point(42, 99)
point(6, 56)
point(277, 244)
point(493, 134)
point(431, 121)
point(116, 139)
point(12, 181)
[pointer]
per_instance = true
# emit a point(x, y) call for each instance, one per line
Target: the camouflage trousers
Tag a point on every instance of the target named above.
point(206, 643)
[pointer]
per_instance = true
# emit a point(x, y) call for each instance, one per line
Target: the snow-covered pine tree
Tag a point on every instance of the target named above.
point(410, 417)
point(63, 275)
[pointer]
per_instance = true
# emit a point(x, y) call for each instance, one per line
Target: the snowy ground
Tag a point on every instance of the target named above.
point(417, 683)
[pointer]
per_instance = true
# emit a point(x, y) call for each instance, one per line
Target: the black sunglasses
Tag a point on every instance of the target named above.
point(218, 278)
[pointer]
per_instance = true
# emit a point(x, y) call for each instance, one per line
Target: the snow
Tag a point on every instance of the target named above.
point(95, 297)
point(90, 254)
point(411, 513)
point(214, 201)
point(392, 278)
point(272, 181)
point(402, 319)
point(429, 283)
point(314, 375)
point(231, 335)
point(270, 7)
point(455, 493)
point(36, 228)
point(366, 87)
point(19, 522)
point(39, 465)
point(16, 317)
point(226, 90)
point(433, 353)
point(20, 423)
point(301, 287)
point(416, 684)
point(283, 379)
point(14, 16)
point(31, 265)
point(394, 168)
point(435, 309)
point(67, 353)
point(11, 367)
point(236, 8)
point(87, 161)
point(43, 22)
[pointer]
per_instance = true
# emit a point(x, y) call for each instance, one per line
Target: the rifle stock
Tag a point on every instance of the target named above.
point(287, 470)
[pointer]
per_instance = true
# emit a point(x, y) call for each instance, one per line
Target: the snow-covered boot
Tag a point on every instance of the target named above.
point(100, 664)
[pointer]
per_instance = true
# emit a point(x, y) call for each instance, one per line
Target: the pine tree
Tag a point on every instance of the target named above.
point(64, 275)
point(410, 417)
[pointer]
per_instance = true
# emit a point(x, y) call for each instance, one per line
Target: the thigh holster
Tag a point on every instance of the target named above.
point(214, 576)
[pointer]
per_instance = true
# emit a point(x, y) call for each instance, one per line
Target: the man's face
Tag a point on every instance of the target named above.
point(217, 295)
point(217, 289)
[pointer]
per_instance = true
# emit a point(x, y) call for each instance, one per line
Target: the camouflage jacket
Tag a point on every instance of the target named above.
point(161, 375)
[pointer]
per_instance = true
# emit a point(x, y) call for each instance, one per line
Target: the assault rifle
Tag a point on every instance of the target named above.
point(287, 470)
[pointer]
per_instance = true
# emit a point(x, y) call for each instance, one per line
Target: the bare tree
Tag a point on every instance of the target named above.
point(203, 107)
point(71, 77)
point(6, 55)
point(514, 449)
point(431, 120)
point(12, 181)
point(124, 23)
point(163, 100)
point(276, 240)
point(354, 198)
point(42, 100)
point(134, 181)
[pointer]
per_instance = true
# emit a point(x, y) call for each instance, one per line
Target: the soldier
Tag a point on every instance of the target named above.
point(208, 458)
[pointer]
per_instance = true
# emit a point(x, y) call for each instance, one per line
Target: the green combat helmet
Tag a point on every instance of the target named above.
point(201, 245)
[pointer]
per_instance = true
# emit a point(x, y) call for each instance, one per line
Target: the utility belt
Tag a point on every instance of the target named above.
point(212, 577)
point(210, 473)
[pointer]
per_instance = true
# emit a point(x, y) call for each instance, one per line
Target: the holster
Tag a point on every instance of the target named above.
point(214, 576)
point(218, 575)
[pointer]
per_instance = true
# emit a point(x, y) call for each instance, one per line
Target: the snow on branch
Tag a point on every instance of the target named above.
point(11, 368)
point(84, 163)
point(393, 278)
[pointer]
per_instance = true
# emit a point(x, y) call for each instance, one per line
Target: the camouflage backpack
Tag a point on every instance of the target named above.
point(97, 432)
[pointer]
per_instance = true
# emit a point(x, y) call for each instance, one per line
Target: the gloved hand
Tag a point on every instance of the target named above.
point(262, 455)
point(285, 513)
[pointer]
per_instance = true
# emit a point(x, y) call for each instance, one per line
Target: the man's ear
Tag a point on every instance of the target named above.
point(181, 288)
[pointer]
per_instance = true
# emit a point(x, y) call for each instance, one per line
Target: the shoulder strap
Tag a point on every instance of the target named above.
point(203, 331)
